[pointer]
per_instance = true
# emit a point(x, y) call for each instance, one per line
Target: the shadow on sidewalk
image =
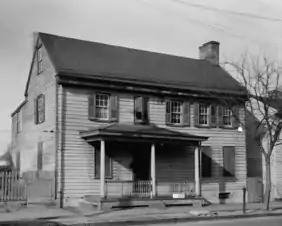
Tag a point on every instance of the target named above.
point(31, 223)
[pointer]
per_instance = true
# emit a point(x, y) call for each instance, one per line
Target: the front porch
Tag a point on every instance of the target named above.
point(157, 164)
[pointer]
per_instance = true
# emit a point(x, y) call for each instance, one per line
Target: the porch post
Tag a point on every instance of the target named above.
point(197, 171)
point(102, 169)
point(153, 169)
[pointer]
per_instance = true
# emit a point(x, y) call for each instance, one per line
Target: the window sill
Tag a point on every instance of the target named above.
point(106, 178)
point(102, 120)
point(176, 125)
point(204, 126)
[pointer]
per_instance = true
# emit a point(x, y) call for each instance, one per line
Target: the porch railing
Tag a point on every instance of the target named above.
point(11, 187)
point(144, 189)
point(128, 189)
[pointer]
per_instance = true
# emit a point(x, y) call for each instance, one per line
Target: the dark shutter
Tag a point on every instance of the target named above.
point(229, 161)
point(213, 116)
point(220, 116)
point(39, 155)
point(35, 112)
point(97, 164)
point(43, 108)
point(114, 107)
point(91, 106)
point(186, 113)
point(196, 114)
point(145, 103)
point(235, 117)
point(168, 113)
point(206, 162)
point(18, 161)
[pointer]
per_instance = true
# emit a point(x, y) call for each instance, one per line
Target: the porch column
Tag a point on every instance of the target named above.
point(197, 171)
point(153, 169)
point(102, 169)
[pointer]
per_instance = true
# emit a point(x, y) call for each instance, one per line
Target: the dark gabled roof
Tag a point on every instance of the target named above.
point(96, 59)
point(149, 132)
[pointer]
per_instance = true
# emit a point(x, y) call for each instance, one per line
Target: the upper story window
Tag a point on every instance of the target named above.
point(141, 110)
point(227, 117)
point(103, 107)
point(39, 60)
point(39, 109)
point(205, 114)
point(177, 112)
point(19, 121)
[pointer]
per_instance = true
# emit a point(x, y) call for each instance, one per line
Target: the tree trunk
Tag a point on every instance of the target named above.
point(267, 183)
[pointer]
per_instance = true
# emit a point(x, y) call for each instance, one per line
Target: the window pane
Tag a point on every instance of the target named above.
point(227, 117)
point(138, 108)
point(203, 114)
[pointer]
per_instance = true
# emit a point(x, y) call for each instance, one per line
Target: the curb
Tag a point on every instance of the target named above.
point(176, 220)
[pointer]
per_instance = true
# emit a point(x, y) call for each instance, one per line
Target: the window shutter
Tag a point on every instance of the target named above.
point(114, 108)
point(18, 160)
point(196, 114)
point(220, 116)
point(91, 106)
point(43, 108)
point(206, 161)
point(145, 103)
point(97, 164)
point(186, 114)
point(229, 161)
point(213, 116)
point(235, 117)
point(39, 155)
point(168, 113)
point(35, 112)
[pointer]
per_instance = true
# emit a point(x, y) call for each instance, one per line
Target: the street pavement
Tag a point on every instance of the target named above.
point(269, 221)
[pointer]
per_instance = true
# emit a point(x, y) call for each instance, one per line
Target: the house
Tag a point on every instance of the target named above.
point(255, 159)
point(107, 122)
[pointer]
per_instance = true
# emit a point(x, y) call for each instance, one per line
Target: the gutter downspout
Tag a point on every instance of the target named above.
point(56, 140)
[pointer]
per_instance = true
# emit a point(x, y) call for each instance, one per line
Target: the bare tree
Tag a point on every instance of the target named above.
point(260, 77)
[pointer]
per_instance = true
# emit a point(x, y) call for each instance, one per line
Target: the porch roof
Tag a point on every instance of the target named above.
point(152, 133)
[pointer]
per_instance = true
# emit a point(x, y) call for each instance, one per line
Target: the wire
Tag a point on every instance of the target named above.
point(248, 15)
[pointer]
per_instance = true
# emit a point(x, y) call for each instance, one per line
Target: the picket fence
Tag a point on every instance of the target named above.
point(12, 188)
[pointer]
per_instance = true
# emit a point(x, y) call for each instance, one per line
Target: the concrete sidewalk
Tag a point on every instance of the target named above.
point(34, 213)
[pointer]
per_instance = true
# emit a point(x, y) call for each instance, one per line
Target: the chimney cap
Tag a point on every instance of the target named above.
point(211, 43)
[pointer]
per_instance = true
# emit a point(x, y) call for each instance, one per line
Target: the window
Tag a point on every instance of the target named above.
point(177, 113)
point(39, 156)
point(229, 161)
point(206, 161)
point(203, 114)
point(39, 109)
point(103, 107)
point(39, 60)
point(19, 121)
point(108, 165)
point(227, 117)
point(141, 110)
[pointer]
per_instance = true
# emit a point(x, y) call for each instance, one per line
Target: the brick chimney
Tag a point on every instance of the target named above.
point(210, 51)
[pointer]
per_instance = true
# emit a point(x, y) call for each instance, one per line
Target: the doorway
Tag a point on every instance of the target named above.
point(140, 164)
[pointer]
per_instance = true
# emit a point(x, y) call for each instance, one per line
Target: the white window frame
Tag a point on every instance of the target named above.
point(40, 110)
point(177, 102)
point(226, 112)
point(207, 114)
point(101, 106)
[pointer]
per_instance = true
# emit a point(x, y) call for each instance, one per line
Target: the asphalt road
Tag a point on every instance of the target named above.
point(266, 221)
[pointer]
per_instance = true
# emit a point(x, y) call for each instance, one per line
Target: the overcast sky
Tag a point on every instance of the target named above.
point(170, 26)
